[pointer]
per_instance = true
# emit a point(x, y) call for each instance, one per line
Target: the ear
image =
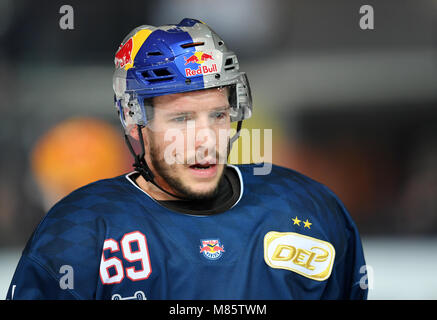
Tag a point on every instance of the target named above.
point(134, 134)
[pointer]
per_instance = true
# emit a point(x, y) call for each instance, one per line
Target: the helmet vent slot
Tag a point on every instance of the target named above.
point(157, 75)
point(154, 80)
point(192, 44)
point(229, 64)
point(154, 53)
point(146, 74)
point(162, 72)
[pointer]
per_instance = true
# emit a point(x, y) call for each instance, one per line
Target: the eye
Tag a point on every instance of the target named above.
point(219, 115)
point(180, 119)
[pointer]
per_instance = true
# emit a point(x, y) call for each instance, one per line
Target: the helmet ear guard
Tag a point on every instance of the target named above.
point(131, 112)
point(243, 99)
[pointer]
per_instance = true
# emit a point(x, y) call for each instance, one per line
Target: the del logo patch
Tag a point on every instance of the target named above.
point(307, 256)
point(211, 249)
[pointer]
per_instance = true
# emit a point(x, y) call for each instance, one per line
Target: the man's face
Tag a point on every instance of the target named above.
point(187, 141)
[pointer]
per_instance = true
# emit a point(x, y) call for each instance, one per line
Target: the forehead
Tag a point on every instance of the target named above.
point(192, 101)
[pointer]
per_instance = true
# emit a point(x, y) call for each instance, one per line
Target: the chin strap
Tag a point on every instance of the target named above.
point(235, 137)
point(140, 163)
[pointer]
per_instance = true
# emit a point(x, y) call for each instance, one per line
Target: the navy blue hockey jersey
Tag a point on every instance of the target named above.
point(287, 237)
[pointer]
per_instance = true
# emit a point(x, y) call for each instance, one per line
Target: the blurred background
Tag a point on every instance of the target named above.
point(354, 109)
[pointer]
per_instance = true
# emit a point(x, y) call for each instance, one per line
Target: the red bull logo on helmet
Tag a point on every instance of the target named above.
point(199, 58)
point(124, 54)
point(211, 249)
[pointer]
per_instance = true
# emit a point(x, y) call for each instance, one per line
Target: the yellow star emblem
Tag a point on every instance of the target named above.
point(307, 224)
point(296, 221)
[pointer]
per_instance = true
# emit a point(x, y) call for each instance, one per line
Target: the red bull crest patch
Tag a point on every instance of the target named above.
point(200, 63)
point(211, 249)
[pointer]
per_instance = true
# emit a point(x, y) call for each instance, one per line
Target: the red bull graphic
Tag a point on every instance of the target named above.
point(124, 54)
point(199, 58)
point(191, 59)
point(211, 249)
point(200, 70)
point(206, 57)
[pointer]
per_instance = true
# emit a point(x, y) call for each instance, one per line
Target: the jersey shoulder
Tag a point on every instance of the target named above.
point(282, 181)
point(72, 228)
point(297, 192)
point(91, 201)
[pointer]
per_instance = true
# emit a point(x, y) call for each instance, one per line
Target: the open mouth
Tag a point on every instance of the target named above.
point(206, 170)
point(198, 166)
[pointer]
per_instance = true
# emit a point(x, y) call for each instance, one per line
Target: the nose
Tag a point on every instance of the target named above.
point(206, 139)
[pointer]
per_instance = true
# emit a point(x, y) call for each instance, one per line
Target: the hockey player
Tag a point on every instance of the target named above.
point(185, 224)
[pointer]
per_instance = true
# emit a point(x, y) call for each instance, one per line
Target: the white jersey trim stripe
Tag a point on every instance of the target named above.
point(240, 177)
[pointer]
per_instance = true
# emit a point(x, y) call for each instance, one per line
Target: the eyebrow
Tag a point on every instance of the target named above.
point(181, 113)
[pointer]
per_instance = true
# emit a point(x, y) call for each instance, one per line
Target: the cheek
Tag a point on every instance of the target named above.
point(156, 145)
point(170, 147)
point(223, 136)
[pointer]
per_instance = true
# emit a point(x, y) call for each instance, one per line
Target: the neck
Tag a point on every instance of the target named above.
point(153, 190)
